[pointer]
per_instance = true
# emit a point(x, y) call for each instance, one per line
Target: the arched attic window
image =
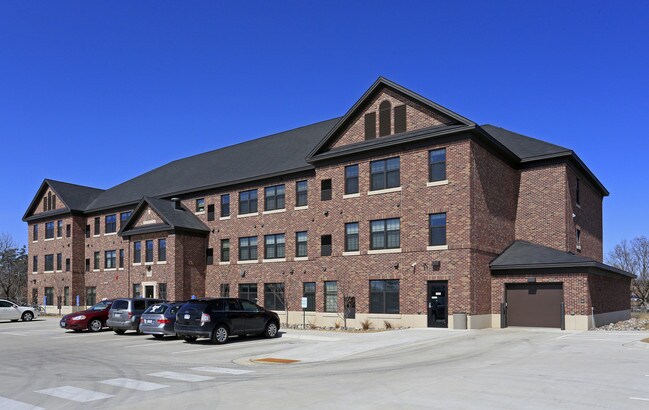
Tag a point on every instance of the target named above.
point(385, 122)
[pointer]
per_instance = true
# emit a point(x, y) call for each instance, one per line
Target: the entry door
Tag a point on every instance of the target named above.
point(148, 291)
point(437, 304)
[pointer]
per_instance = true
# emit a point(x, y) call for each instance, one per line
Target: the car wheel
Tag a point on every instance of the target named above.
point(220, 335)
point(158, 336)
point(27, 316)
point(94, 325)
point(271, 330)
point(119, 331)
point(190, 339)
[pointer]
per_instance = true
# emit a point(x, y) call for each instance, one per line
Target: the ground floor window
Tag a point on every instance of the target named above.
point(331, 296)
point(384, 296)
point(137, 290)
point(35, 296)
point(248, 291)
point(309, 294)
point(162, 291)
point(274, 296)
point(49, 296)
point(66, 296)
point(91, 296)
point(225, 290)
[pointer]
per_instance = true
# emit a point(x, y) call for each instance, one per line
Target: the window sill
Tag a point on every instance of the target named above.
point(224, 263)
point(161, 262)
point(356, 195)
point(34, 273)
point(96, 236)
point(49, 239)
point(247, 262)
point(199, 213)
point(61, 270)
point(301, 258)
point(380, 251)
point(248, 215)
point(437, 183)
point(437, 248)
point(95, 270)
point(273, 260)
point(301, 208)
point(224, 218)
point(36, 241)
point(274, 211)
point(137, 263)
point(352, 253)
point(384, 191)
point(59, 237)
point(148, 263)
point(49, 271)
point(110, 234)
point(110, 269)
point(120, 269)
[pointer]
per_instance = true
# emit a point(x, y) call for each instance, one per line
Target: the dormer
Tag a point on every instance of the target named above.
point(57, 198)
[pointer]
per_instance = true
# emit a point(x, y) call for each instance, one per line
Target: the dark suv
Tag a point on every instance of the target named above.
point(125, 313)
point(219, 318)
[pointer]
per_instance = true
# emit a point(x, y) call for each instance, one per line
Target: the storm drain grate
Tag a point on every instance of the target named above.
point(275, 360)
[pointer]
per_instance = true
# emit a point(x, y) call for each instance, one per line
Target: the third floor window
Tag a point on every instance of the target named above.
point(437, 165)
point(385, 234)
point(351, 179)
point(301, 249)
point(111, 223)
point(148, 251)
point(248, 248)
point(274, 197)
point(351, 237)
point(248, 202)
point(301, 193)
point(49, 230)
point(225, 205)
point(385, 174)
point(274, 246)
point(137, 252)
point(200, 205)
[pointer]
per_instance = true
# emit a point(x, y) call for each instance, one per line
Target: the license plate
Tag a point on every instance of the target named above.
point(148, 321)
point(187, 316)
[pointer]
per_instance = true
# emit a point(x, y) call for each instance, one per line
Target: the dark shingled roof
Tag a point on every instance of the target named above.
point(526, 148)
point(268, 156)
point(527, 255)
point(76, 197)
point(174, 219)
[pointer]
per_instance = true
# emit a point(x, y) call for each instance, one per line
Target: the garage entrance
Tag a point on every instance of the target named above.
point(534, 304)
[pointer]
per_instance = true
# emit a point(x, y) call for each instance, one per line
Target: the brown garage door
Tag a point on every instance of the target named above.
point(534, 304)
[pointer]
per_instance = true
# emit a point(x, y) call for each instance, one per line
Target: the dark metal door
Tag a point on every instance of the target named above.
point(534, 304)
point(437, 304)
point(148, 291)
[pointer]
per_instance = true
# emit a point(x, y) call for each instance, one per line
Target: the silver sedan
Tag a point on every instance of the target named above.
point(13, 312)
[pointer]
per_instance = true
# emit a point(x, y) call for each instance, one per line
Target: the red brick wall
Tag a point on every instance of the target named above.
point(588, 217)
point(609, 294)
point(417, 117)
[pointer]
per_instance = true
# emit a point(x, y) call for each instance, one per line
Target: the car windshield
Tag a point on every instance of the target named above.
point(100, 306)
point(159, 308)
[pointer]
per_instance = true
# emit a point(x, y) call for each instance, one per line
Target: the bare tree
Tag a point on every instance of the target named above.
point(13, 269)
point(633, 257)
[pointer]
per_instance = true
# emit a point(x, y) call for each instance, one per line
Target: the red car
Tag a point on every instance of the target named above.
point(92, 319)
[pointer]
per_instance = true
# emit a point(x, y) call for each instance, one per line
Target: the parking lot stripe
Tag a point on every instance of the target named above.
point(638, 398)
point(224, 370)
point(143, 345)
point(133, 384)
point(75, 394)
point(13, 334)
point(185, 377)
point(8, 404)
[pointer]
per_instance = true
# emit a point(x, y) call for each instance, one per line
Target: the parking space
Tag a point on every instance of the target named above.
point(47, 367)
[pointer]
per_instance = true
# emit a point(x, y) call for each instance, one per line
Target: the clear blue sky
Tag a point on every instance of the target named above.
point(96, 93)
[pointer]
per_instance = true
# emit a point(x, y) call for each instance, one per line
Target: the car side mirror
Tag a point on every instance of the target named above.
point(15, 306)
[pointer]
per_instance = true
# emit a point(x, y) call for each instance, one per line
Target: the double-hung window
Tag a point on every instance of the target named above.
point(49, 230)
point(437, 165)
point(200, 205)
point(385, 234)
point(59, 261)
point(437, 229)
point(137, 252)
point(301, 193)
point(274, 197)
point(225, 250)
point(248, 248)
point(248, 202)
point(351, 179)
point(35, 236)
point(97, 226)
point(162, 250)
point(111, 223)
point(95, 265)
point(309, 294)
point(110, 259)
point(351, 237)
point(274, 246)
point(385, 174)
point(331, 296)
point(225, 205)
point(59, 229)
point(149, 251)
point(301, 248)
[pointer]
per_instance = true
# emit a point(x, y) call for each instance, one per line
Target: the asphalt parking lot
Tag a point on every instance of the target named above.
point(44, 366)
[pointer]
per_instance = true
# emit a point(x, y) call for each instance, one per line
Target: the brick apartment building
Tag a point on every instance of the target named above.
point(400, 211)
